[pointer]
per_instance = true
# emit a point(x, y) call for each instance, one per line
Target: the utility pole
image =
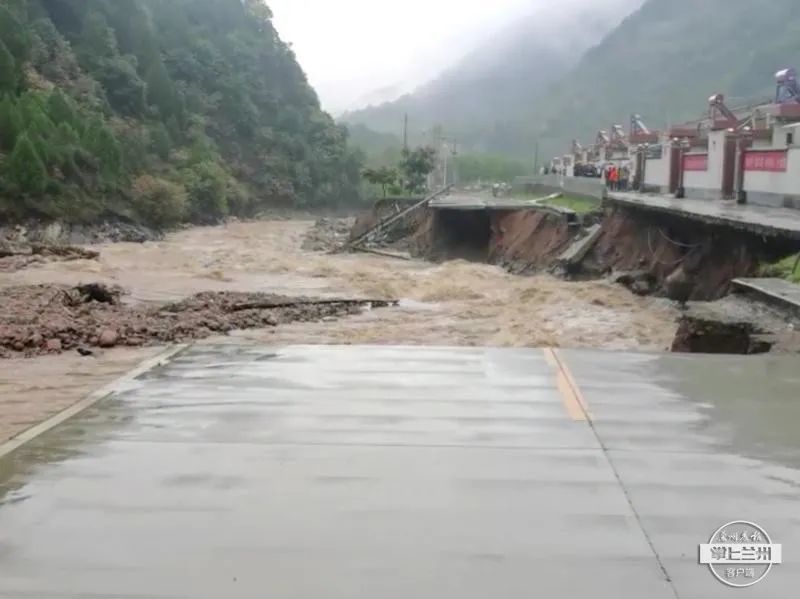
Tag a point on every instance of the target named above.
point(444, 174)
point(455, 162)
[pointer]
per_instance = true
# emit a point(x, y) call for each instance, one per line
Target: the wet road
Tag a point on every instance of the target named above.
point(396, 472)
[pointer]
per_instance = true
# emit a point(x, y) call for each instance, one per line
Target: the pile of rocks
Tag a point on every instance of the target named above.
point(328, 234)
point(40, 319)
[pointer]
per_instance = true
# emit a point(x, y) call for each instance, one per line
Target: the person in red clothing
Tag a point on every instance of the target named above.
point(614, 178)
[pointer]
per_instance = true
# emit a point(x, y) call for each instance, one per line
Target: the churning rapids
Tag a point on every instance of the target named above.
point(455, 303)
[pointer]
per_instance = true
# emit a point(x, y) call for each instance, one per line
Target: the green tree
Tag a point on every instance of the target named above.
point(100, 141)
point(161, 91)
point(60, 109)
point(65, 143)
point(25, 167)
point(416, 165)
point(8, 70)
point(207, 185)
point(160, 141)
point(384, 176)
point(13, 34)
point(97, 40)
point(11, 124)
point(161, 203)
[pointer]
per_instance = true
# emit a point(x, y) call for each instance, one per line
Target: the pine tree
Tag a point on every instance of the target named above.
point(100, 141)
point(97, 40)
point(10, 123)
point(40, 130)
point(26, 168)
point(14, 34)
point(65, 143)
point(66, 135)
point(8, 70)
point(60, 109)
point(31, 106)
point(161, 91)
point(160, 141)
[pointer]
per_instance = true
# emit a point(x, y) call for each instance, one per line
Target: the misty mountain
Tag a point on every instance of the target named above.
point(664, 61)
point(481, 98)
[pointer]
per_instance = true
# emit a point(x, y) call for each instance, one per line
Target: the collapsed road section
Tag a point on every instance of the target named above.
point(688, 255)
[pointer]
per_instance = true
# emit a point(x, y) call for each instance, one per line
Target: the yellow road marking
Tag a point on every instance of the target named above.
point(571, 394)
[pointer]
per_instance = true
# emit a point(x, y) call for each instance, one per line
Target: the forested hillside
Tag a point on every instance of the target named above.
point(159, 111)
point(482, 99)
point(665, 60)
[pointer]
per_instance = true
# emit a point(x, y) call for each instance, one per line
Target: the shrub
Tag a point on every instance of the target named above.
point(160, 203)
point(207, 186)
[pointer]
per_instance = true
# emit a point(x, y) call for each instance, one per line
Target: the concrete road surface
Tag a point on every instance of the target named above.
point(397, 473)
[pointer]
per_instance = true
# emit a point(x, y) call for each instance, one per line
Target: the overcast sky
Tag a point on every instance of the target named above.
point(351, 48)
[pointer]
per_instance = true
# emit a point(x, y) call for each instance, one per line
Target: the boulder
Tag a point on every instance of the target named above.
point(108, 338)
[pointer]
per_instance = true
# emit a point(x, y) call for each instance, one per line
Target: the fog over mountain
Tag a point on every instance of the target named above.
point(354, 49)
point(477, 99)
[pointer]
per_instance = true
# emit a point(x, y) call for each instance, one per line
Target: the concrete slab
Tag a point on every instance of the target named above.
point(776, 291)
point(397, 471)
point(461, 201)
point(759, 219)
point(699, 441)
point(578, 249)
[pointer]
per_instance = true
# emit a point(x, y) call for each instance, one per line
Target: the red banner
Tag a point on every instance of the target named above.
point(771, 161)
point(695, 162)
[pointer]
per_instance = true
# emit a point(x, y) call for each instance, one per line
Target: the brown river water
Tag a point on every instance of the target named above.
point(455, 303)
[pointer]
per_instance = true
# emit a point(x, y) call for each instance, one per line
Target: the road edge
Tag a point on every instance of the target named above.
point(87, 402)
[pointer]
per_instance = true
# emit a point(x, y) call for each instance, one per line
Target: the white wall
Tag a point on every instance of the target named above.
point(787, 183)
point(716, 156)
point(657, 171)
point(709, 180)
point(696, 180)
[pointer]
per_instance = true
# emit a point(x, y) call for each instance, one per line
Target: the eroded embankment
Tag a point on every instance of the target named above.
point(526, 240)
point(650, 253)
point(522, 241)
point(679, 258)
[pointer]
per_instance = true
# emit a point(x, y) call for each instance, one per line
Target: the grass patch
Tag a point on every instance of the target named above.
point(579, 205)
point(785, 269)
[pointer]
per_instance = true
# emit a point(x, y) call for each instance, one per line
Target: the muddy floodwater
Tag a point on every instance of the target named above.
point(455, 303)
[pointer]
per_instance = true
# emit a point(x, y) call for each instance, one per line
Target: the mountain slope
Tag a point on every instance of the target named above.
point(479, 98)
point(158, 110)
point(664, 61)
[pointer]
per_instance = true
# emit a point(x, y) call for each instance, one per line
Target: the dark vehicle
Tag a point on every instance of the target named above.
point(586, 170)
